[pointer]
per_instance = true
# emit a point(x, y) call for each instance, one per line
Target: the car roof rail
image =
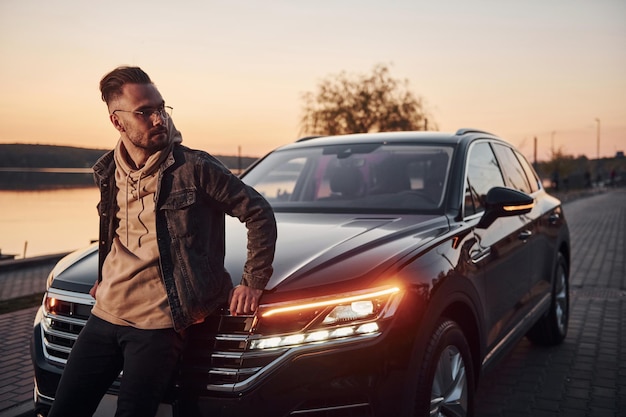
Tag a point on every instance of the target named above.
point(465, 131)
point(305, 138)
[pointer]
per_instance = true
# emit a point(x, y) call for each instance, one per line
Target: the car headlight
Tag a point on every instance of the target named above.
point(53, 305)
point(323, 319)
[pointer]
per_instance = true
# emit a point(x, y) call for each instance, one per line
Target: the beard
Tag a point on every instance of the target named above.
point(151, 141)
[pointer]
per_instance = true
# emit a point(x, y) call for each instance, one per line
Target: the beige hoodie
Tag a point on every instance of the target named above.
point(132, 292)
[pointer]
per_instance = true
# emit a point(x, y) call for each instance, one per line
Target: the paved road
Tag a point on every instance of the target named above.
point(19, 279)
point(584, 377)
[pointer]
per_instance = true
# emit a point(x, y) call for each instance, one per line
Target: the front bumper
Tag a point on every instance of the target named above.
point(366, 376)
point(363, 379)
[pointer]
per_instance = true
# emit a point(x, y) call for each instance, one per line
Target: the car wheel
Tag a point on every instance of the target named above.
point(446, 379)
point(551, 329)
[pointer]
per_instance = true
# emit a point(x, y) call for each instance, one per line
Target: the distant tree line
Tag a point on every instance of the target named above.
point(17, 159)
point(47, 156)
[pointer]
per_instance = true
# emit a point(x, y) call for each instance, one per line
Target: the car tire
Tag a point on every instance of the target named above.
point(551, 328)
point(446, 378)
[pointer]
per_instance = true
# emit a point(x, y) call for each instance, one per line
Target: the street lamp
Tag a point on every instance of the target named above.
point(598, 140)
point(598, 152)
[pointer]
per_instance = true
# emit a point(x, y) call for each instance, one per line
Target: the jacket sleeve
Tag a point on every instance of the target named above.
point(243, 202)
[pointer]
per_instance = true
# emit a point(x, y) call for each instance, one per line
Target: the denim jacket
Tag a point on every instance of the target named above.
point(194, 193)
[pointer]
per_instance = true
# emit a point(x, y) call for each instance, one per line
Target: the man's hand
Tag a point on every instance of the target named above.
point(244, 300)
point(93, 289)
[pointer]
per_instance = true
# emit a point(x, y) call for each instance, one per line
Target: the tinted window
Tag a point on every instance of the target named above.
point(354, 177)
point(483, 173)
point(513, 171)
point(530, 173)
point(279, 183)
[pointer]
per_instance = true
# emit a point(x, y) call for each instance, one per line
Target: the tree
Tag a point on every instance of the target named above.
point(362, 103)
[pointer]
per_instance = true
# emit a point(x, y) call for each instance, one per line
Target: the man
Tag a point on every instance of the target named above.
point(161, 253)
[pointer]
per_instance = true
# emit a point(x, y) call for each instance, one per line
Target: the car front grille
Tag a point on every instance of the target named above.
point(216, 359)
point(64, 316)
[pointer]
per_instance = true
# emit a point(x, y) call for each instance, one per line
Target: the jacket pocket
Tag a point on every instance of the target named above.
point(181, 213)
point(179, 199)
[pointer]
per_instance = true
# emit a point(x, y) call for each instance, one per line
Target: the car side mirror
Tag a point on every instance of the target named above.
point(504, 202)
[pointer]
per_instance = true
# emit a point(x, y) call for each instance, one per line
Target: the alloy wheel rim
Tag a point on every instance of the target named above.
point(561, 301)
point(449, 390)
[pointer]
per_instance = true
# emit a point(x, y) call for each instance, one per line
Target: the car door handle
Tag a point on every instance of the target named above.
point(479, 255)
point(525, 235)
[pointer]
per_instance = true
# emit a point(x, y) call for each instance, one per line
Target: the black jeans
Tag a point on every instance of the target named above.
point(148, 359)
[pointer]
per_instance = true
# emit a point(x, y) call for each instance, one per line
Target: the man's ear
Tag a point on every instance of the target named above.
point(116, 122)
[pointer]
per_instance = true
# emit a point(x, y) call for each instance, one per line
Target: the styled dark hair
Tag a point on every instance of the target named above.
point(112, 83)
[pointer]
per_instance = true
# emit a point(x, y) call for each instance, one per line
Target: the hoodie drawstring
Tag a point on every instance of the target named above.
point(137, 195)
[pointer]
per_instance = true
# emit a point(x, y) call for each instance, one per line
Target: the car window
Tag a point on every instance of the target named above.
point(533, 180)
point(279, 183)
point(483, 173)
point(512, 169)
point(371, 177)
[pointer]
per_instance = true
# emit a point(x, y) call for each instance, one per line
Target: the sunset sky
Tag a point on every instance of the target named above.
point(235, 71)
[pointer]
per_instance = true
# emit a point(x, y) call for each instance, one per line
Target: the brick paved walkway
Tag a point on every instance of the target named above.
point(16, 375)
point(16, 281)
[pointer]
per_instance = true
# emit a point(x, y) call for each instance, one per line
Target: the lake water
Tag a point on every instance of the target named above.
point(47, 222)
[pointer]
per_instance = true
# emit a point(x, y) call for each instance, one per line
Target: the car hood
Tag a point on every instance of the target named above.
point(313, 250)
point(77, 271)
point(319, 249)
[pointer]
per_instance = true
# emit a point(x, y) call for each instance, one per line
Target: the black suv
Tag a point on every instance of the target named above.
point(406, 264)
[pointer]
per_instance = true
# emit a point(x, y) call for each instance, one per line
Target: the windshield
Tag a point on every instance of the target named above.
point(354, 177)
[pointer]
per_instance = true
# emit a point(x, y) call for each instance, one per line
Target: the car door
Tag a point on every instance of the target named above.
point(498, 253)
point(540, 257)
point(546, 218)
